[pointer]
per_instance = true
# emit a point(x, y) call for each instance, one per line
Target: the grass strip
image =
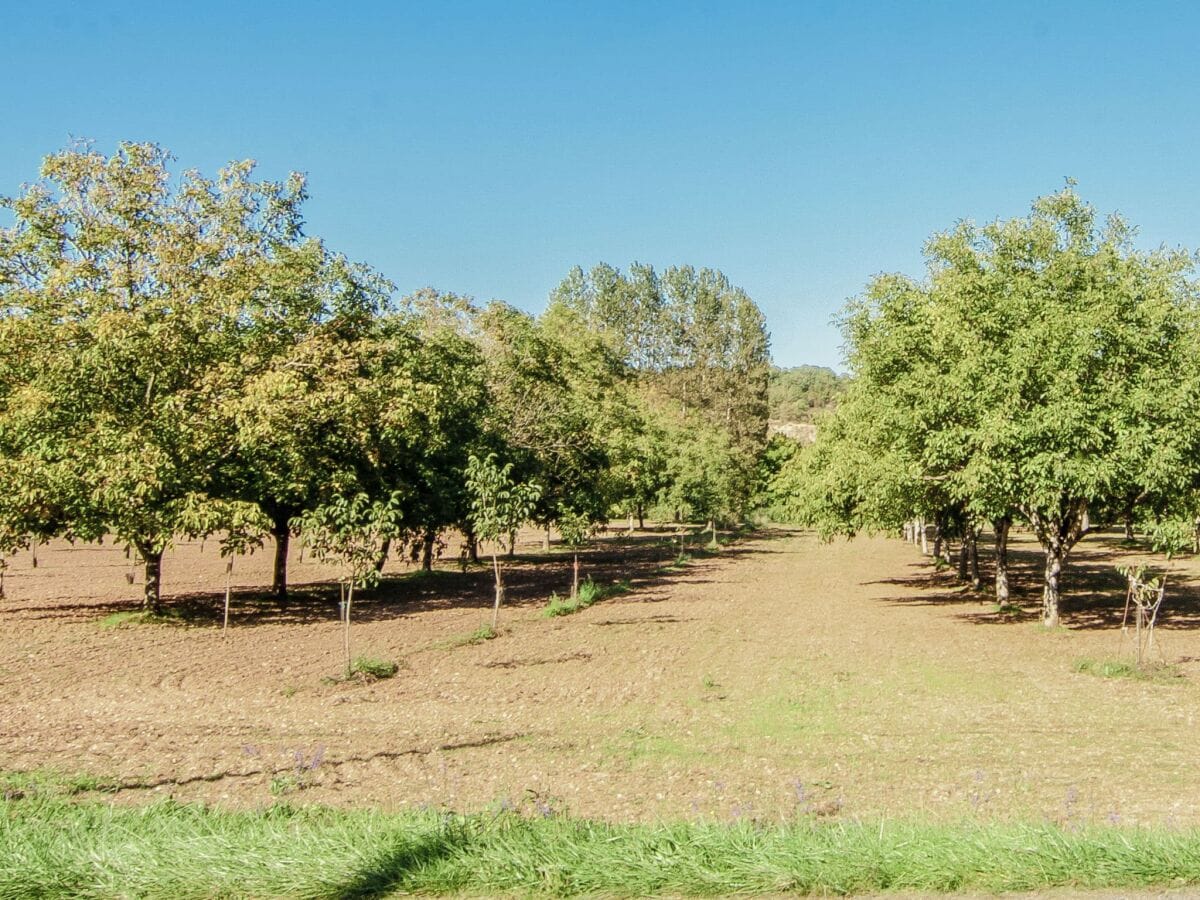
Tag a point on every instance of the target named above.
point(57, 847)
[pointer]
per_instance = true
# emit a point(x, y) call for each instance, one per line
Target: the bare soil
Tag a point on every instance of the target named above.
point(778, 678)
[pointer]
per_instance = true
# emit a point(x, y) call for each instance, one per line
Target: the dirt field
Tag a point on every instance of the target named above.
point(780, 678)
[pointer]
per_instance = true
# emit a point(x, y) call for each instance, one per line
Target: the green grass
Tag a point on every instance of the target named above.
point(374, 668)
point(141, 617)
point(59, 848)
point(483, 633)
point(1118, 668)
point(48, 783)
point(589, 593)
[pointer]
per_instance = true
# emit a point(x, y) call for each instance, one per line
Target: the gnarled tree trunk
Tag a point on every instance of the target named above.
point(385, 550)
point(1001, 527)
point(1052, 590)
point(1058, 532)
point(282, 533)
point(152, 591)
point(427, 550)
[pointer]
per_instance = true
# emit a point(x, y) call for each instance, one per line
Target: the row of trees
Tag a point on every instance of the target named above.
point(1044, 372)
point(178, 358)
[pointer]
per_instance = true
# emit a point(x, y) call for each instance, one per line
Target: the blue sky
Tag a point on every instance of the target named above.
point(486, 148)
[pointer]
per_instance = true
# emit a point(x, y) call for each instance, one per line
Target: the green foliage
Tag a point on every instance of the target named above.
point(374, 668)
point(348, 531)
point(499, 505)
point(149, 283)
point(699, 347)
point(801, 393)
point(1044, 370)
point(1172, 536)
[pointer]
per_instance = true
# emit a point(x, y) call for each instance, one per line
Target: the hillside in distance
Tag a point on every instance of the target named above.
point(797, 395)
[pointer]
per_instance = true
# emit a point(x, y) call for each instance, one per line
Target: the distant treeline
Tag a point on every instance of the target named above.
point(801, 393)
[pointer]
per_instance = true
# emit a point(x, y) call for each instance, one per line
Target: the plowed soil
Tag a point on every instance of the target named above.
point(780, 677)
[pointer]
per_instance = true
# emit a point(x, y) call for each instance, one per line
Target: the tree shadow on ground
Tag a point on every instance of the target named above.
point(1093, 591)
point(645, 562)
point(387, 872)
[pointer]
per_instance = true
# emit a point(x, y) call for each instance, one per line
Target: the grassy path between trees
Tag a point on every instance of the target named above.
point(53, 847)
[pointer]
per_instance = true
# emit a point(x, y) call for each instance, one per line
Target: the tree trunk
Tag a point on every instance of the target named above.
point(938, 540)
point(1052, 590)
point(575, 579)
point(641, 517)
point(283, 538)
point(346, 629)
point(499, 589)
point(385, 550)
point(1129, 525)
point(1001, 527)
point(512, 544)
point(427, 550)
point(964, 557)
point(228, 593)
point(152, 595)
point(973, 536)
point(546, 540)
point(924, 537)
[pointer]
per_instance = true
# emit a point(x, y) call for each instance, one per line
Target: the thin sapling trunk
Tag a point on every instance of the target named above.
point(228, 592)
point(346, 628)
point(499, 589)
point(974, 557)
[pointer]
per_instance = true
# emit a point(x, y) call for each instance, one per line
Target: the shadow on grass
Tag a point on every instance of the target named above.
point(388, 871)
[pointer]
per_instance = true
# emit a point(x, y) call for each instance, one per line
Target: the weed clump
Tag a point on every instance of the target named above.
point(374, 668)
point(589, 593)
point(1117, 668)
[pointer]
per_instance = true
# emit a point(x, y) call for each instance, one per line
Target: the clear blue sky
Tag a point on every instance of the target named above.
point(486, 148)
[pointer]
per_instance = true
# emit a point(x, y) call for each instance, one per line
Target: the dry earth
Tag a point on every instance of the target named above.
point(782, 677)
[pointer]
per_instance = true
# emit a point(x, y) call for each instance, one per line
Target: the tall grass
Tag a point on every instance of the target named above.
point(589, 594)
point(55, 847)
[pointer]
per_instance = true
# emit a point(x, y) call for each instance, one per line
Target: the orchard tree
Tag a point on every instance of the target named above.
point(500, 505)
point(131, 287)
point(347, 531)
point(292, 415)
point(1045, 371)
point(1085, 350)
